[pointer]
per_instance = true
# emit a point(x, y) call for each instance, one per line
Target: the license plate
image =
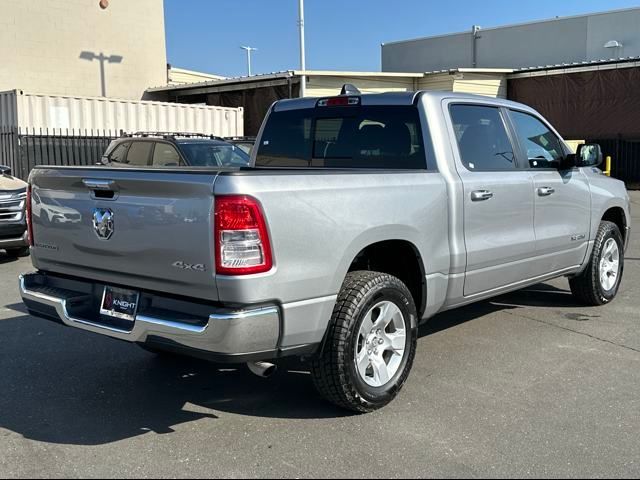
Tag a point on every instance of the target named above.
point(119, 303)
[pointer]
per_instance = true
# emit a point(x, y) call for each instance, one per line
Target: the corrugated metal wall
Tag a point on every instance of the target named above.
point(81, 114)
point(550, 42)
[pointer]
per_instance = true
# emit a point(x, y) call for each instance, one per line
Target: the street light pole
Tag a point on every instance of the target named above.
point(249, 50)
point(303, 60)
point(103, 59)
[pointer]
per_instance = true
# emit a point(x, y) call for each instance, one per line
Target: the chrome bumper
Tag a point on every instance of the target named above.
point(238, 332)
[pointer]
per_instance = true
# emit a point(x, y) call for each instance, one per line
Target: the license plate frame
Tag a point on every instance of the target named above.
point(120, 303)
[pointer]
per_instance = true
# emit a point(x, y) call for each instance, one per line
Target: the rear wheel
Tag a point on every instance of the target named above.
point(371, 343)
point(600, 281)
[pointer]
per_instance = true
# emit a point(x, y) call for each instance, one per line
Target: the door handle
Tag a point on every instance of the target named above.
point(546, 191)
point(481, 195)
point(99, 184)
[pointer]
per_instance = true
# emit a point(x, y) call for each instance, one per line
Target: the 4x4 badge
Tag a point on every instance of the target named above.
point(199, 267)
point(103, 223)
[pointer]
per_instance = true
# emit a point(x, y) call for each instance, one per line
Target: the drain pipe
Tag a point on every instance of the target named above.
point(475, 33)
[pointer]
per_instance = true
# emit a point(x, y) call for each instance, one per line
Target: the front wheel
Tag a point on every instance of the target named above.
point(600, 281)
point(370, 345)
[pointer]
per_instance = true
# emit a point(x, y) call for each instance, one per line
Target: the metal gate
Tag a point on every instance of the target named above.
point(22, 150)
point(626, 159)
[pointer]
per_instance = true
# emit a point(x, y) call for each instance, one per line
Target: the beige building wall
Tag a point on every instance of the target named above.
point(41, 43)
point(180, 76)
point(487, 84)
point(437, 81)
point(324, 85)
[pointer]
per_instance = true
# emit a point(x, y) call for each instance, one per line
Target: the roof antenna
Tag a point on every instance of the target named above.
point(349, 89)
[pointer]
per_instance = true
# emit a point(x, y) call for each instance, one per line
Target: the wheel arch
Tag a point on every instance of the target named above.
point(400, 258)
point(618, 216)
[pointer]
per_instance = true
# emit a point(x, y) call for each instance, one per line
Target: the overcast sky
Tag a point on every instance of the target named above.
point(206, 35)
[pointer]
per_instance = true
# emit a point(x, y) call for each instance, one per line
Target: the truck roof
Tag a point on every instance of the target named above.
point(395, 98)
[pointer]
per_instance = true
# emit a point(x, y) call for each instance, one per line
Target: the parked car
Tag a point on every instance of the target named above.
point(245, 143)
point(167, 150)
point(13, 227)
point(361, 218)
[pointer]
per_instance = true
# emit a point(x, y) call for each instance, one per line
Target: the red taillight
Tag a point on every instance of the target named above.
point(341, 101)
point(29, 218)
point(241, 237)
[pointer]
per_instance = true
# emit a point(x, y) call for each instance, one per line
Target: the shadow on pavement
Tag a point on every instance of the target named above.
point(542, 295)
point(64, 386)
point(4, 258)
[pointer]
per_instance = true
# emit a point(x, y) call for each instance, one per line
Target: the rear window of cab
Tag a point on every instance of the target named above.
point(373, 137)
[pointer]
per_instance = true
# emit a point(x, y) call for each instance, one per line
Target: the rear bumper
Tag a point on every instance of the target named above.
point(13, 237)
point(232, 335)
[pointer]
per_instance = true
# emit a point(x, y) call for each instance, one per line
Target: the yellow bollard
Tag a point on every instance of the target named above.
point(607, 168)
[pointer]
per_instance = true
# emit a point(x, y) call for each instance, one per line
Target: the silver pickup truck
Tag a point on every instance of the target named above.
point(361, 217)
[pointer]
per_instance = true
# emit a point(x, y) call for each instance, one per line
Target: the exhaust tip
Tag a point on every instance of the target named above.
point(262, 369)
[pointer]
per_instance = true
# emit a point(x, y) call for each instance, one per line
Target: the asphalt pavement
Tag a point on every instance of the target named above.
point(530, 384)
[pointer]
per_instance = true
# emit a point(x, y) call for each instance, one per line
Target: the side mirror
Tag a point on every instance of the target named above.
point(589, 155)
point(4, 170)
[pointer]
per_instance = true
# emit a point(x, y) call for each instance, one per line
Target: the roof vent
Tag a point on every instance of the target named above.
point(349, 89)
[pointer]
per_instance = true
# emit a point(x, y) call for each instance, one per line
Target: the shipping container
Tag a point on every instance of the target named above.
point(78, 115)
point(62, 130)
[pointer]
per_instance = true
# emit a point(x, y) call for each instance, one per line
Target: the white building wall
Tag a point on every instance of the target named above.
point(41, 42)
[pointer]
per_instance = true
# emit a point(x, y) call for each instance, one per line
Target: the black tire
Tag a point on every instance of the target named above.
point(18, 252)
point(334, 371)
point(587, 287)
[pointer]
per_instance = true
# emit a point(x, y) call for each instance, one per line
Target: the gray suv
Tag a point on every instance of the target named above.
point(167, 150)
point(13, 225)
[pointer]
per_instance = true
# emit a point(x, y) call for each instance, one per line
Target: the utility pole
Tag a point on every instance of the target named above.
point(303, 61)
point(249, 50)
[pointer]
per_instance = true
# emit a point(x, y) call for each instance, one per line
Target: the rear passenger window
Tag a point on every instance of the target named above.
point(165, 155)
point(139, 153)
point(541, 146)
point(482, 138)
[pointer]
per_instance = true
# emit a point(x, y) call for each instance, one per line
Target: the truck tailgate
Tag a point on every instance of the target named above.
point(148, 230)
